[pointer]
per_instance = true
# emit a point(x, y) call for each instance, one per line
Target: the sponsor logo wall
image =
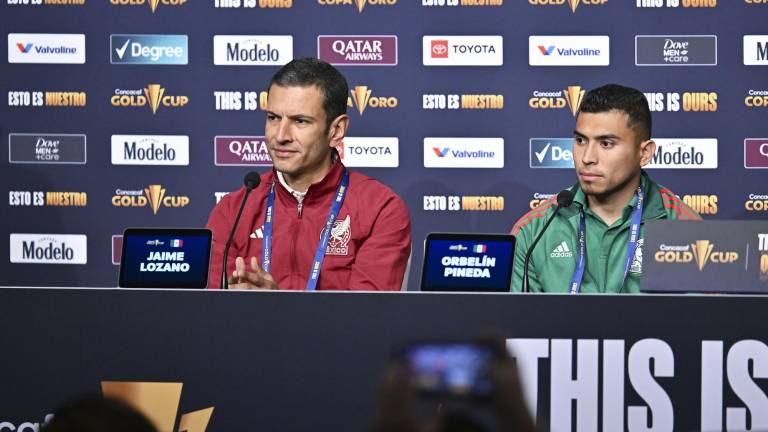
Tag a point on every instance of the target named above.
point(133, 117)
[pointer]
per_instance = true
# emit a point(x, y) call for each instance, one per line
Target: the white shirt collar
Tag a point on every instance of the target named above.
point(298, 195)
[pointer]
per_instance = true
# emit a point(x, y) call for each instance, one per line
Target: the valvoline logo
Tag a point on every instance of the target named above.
point(546, 50)
point(441, 152)
point(24, 48)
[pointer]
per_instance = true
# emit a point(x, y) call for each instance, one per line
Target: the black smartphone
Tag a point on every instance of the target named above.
point(450, 369)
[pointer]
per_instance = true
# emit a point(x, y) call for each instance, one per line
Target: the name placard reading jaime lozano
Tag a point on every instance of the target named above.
point(165, 258)
point(706, 256)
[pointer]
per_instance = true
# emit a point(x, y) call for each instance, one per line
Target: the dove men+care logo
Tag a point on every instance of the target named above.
point(137, 49)
point(676, 50)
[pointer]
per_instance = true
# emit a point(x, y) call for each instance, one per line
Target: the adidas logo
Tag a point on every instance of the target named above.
point(561, 251)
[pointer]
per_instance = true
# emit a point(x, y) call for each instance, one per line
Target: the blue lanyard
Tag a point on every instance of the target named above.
point(634, 235)
point(266, 249)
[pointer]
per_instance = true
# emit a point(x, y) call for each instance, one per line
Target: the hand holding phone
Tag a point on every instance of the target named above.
point(452, 369)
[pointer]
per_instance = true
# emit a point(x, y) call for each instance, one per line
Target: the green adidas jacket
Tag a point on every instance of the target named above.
point(553, 261)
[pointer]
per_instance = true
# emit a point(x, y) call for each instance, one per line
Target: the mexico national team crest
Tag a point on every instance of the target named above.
point(637, 260)
point(341, 232)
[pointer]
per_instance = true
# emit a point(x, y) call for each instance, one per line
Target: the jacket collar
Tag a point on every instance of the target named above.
point(324, 187)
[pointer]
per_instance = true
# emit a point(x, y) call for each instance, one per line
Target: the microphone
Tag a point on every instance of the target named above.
point(251, 181)
point(564, 199)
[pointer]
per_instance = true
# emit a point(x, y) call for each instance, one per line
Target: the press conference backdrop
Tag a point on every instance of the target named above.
point(144, 113)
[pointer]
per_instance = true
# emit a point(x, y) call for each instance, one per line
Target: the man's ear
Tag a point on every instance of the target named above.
point(647, 150)
point(338, 130)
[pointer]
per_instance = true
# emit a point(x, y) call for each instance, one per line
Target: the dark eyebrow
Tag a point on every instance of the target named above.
point(301, 117)
point(599, 138)
point(607, 137)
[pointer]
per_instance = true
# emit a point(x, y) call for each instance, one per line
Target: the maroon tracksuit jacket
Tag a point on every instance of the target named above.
point(368, 250)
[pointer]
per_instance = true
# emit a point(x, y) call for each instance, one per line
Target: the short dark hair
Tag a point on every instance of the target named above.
point(305, 72)
point(616, 97)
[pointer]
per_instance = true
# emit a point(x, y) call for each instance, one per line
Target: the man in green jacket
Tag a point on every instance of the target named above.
point(595, 245)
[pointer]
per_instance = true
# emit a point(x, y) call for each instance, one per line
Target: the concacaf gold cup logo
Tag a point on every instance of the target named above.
point(359, 4)
point(572, 4)
point(701, 253)
point(362, 98)
point(569, 97)
point(539, 198)
point(159, 402)
point(153, 96)
point(153, 4)
point(756, 99)
point(756, 203)
point(153, 196)
point(702, 204)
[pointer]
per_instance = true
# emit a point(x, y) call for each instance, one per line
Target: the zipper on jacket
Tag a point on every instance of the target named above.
point(300, 206)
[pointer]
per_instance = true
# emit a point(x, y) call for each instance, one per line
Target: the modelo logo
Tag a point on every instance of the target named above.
point(685, 153)
point(244, 50)
point(31, 251)
point(49, 248)
point(150, 150)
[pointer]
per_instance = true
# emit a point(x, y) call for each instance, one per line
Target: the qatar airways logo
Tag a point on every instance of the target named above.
point(358, 50)
point(463, 50)
point(241, 151)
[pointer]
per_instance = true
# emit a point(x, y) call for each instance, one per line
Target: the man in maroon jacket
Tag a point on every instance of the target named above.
point(369, 241)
